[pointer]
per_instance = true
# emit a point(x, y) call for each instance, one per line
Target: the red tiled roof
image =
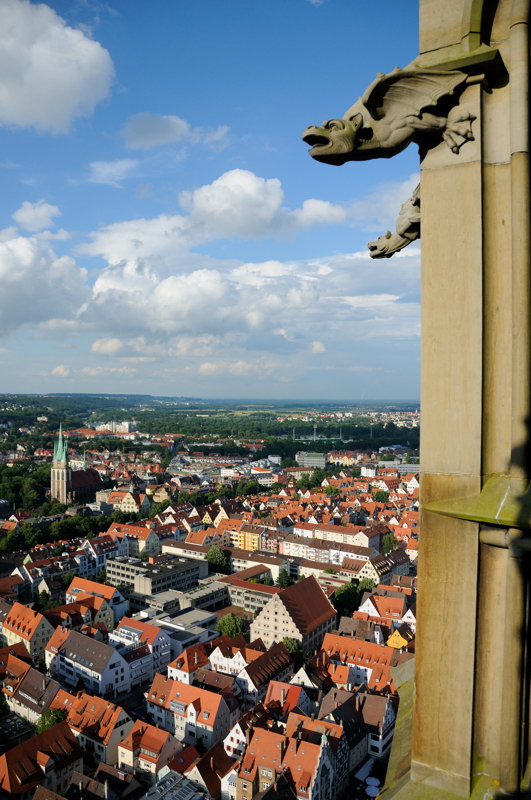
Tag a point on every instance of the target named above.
point(307, 604)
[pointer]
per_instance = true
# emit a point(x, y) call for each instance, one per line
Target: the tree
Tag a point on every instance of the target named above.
point(43, 601)
point(388, 544)
point(157, 508)
point(294, 648)
point(381, 496)
point(288, 462)
point(67, 578)
point(50, 717)
point(217, 559)
point(230, 625)
point(346, 599)
point(284, 580)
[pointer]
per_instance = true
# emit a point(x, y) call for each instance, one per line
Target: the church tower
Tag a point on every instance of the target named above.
point(61, 477)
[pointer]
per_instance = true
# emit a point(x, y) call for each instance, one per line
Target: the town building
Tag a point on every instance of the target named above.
point(27, 691)
point(91, 611)
point(77, 660)
point(146, 749)
point(134, 635)
point(22, 624)
point(194, 716)
point(98, 724)
point(68, 485)
point(159, 574)
point(81, 586)
point(307, 459)
point(301, 612)
point(47, 759)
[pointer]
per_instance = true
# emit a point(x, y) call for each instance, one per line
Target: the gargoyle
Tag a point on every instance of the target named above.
point(407, 229)
point(391, 114)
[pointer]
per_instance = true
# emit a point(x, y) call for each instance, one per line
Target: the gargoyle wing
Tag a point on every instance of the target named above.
point(410, 89)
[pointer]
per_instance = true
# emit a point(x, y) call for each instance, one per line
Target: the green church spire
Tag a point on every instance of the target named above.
point(60, 448)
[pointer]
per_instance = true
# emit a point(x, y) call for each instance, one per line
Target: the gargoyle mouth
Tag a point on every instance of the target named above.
point(315, 139)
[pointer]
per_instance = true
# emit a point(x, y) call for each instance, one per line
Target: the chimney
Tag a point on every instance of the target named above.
point(248, 733)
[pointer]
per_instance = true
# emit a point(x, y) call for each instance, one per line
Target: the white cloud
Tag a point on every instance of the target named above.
point(111, 172)
point(318, 212)
point(145, 130)
point(107, 347)
point(8, 233)
point(159, 297)
point(35, 216)
point(215, 136)
point(318, 347)
point(60, 371)
point(37, 285)
point(53, 236)
point(51, 73)
point(238, 203)
point(198, 346)
point(372, 301)
point(260, 274)
point(263, 367)
point(94, 372)
point(210, 368)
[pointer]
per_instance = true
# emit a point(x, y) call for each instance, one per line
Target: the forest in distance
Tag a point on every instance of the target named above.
point(325, 425)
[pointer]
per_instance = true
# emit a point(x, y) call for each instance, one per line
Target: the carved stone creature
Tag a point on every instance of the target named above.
point(392, 113)
point(407, 229)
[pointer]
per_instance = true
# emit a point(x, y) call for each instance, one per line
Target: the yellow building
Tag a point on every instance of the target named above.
point(22, 624)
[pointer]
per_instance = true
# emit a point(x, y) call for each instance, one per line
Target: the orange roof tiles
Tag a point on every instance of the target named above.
point(82, 585)
point(165, 690)
point(93, 716)
point(148, 633)
point(147, 736)
point(22, 620)
point(20, 767)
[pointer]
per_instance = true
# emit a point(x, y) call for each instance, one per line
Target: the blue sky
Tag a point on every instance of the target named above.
point(163, 229)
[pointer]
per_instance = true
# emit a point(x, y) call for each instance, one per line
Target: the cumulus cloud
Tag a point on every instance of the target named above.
point(60, 371)
point(107, 347)
point(37, 285)
point(156, 300)
point(318, 212)
point(111, 172)
point(35, 216)
point(51, 73)
point(318, 347)
point(238, 203)
point(145, 130)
